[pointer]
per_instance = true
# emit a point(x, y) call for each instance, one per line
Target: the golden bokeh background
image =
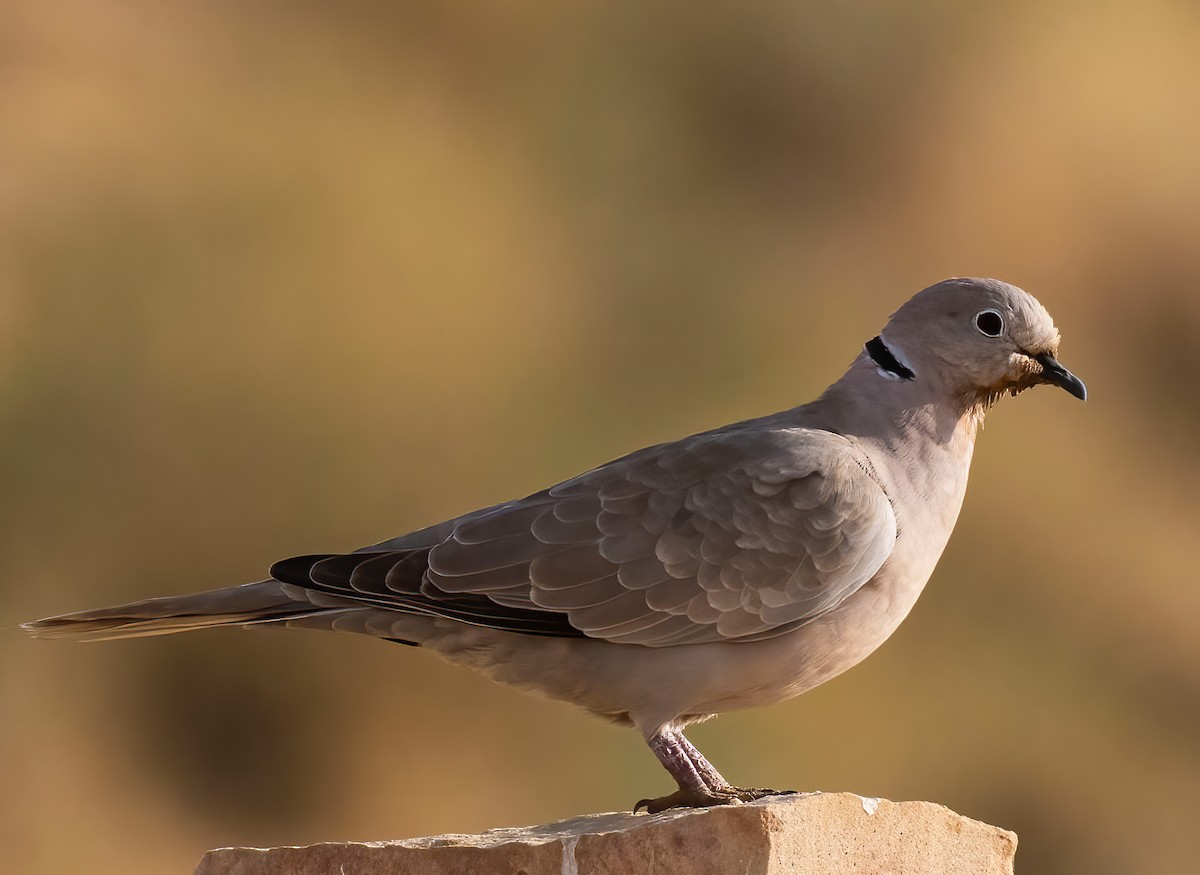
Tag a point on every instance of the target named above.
point(278, 278)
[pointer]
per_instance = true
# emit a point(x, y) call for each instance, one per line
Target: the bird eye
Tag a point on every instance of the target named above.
point(990, 323)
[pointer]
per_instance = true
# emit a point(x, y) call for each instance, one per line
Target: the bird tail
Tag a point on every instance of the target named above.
point(262, 602)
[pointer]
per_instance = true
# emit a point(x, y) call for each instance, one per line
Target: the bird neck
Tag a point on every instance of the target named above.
point(869, 406)
point(909, 428)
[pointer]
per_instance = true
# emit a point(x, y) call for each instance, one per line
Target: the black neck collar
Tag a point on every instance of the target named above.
point(882, 356)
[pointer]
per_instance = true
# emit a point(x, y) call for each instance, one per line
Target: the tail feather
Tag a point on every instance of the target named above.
point(262, 602)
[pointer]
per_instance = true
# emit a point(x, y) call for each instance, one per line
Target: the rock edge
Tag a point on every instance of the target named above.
point(812, 834)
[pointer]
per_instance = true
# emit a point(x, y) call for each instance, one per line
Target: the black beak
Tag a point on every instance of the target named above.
point(1056, 374)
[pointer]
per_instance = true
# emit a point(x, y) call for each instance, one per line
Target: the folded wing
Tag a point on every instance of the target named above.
point(736, 535)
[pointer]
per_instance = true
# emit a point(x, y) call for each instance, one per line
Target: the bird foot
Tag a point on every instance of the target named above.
point(689, 799)
point(706, 798)
point(749, 794)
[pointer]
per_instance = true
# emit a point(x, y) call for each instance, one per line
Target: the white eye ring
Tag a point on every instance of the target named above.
point(989, 323)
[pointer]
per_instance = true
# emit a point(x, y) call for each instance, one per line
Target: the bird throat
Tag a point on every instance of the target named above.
point(885, 360)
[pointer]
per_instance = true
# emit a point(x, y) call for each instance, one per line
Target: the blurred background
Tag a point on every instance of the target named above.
point(279, 278)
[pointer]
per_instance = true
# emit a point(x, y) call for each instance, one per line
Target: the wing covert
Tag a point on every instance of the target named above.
point(723, 537)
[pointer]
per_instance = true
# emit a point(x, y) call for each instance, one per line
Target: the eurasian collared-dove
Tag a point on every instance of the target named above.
point(733, 568)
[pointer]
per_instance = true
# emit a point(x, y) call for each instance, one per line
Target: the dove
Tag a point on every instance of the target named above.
point(734, 568)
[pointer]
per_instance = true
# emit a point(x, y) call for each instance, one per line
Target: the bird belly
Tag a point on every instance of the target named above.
point(651, 687)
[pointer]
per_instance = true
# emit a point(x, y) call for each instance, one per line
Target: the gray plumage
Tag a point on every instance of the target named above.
point(732, 568)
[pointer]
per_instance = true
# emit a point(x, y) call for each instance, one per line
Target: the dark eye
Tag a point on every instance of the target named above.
point(989, 322)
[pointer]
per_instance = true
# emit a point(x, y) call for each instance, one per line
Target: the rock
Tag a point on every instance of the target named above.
point(815, 834)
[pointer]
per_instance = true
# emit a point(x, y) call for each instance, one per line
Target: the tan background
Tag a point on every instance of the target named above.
point(285, 277)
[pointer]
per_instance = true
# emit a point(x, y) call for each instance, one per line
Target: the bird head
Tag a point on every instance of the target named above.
point(977, 339)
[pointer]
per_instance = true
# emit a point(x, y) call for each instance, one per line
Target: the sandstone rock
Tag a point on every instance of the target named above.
point(817, 834)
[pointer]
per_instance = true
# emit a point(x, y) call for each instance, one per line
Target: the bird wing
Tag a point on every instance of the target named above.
point(734, 535)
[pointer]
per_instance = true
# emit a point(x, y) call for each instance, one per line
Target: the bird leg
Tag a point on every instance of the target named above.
point(716, 781)
point(694, 791)
point(700, 784)
point(707, 771)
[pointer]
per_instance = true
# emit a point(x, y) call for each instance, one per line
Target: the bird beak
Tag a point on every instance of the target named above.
point(1056, 374)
